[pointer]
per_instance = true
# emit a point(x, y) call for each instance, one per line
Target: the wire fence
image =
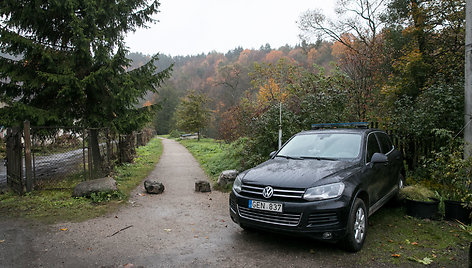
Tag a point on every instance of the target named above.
point(48, 154)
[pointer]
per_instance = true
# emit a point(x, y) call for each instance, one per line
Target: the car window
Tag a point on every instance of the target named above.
point(385, 142)
point(372, 147)
point(323, 145)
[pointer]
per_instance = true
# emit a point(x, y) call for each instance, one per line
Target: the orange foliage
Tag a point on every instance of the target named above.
point(313, 55)
point(339, 49)
point(273, 56)
point(270, 92)
point(147, 103)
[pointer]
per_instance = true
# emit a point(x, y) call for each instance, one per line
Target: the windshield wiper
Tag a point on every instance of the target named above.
point(319, 158)
point(289, 157)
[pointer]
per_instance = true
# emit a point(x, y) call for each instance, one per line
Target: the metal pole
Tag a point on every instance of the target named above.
point(280, 125)
point(468, 79)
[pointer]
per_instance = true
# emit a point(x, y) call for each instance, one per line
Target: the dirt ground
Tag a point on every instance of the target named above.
point(179, 228)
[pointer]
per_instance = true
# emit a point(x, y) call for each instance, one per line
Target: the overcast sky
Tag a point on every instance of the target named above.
point(190, 27)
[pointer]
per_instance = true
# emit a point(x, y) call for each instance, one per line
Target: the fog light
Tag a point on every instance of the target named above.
point(327, 235)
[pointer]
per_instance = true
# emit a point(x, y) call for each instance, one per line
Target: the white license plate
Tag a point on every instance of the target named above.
point(275, 207)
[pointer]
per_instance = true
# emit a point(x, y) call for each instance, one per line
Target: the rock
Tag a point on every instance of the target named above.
point(202, 186)
point(86, 188)
point(227, 177)
point(152, 186)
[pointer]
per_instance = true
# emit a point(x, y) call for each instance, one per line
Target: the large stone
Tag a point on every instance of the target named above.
point(227, 177)
point(202, 186)
point(86, 188)
point(152, 186)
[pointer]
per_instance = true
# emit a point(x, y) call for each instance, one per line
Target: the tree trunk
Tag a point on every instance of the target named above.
point(127, 148)
point(95, 147)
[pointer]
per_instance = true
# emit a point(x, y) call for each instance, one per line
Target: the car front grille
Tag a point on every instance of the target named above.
point(323, 218)
point(287, 219)
point(253, 190)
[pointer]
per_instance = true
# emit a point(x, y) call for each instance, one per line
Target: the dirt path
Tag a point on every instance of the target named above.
point(180, 228)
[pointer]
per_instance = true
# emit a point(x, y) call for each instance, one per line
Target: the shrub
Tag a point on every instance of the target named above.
point(175, 134)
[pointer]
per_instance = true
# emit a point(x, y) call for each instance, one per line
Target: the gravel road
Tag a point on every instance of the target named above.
point(179, 228)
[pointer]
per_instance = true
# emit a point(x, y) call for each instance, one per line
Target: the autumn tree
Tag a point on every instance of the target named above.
point(192, 113)
point(71, 66)
point(357, 29)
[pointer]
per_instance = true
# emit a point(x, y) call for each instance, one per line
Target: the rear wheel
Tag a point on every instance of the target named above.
point(356, 227)
point(397, 199)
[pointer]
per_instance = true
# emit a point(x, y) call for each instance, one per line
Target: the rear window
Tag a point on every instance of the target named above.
point(323, 145)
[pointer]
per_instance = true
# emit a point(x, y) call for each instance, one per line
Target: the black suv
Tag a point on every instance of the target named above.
point(322, 183)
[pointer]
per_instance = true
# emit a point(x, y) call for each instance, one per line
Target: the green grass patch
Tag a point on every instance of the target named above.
point(54, 201)
point(212, 155)
point(394, 237)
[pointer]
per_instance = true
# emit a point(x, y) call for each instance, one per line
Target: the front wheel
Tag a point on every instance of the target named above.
point(356, 227)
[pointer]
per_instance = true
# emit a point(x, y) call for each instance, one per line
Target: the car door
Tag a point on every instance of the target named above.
point(394, 158)
point(378, 182)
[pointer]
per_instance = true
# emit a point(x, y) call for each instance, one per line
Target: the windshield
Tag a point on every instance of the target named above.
point(323, 146)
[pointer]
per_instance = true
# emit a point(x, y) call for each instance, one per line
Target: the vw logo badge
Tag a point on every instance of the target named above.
point(268, 192)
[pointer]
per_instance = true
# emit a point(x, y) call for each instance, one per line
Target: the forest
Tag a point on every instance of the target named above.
point(398, 63)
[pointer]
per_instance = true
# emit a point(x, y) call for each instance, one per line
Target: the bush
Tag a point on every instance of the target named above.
point(175, 134)
point(446, 171)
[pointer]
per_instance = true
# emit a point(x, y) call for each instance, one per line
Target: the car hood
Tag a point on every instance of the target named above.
point(297, 173)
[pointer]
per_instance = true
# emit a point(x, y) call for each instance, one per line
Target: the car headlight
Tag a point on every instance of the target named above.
point(237, 184)
point(324, 192)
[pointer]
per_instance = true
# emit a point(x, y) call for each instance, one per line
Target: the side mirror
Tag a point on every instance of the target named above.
point(379, 158)
point(272, 154)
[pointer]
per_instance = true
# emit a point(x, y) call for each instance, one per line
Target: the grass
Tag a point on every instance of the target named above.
point(54, 202)
point(394, 237)
point(212, 156)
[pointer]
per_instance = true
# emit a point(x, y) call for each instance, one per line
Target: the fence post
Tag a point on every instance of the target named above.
point(28, 164)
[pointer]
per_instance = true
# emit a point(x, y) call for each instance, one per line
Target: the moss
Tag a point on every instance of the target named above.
point(417, 192)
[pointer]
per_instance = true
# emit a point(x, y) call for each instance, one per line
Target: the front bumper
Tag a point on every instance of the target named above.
point(322, 220)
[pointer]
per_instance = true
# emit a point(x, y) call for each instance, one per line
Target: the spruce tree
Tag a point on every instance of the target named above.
point(67, 64)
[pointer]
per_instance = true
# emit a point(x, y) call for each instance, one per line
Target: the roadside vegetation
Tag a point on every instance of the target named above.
point(213, 156)
point(53, 202)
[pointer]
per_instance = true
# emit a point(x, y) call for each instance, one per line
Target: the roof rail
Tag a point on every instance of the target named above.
point(341, 125)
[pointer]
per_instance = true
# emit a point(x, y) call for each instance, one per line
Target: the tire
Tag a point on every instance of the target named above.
point(356, 227)
point(397, 200)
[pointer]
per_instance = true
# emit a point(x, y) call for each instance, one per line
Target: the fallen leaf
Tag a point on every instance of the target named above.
point(168, 230)
point(414, 243)
point(195, 236)
point(206, 237)
point(425, 260)
point(1, 241)
point(396, 255)
point(64, 229)
point(222, 220)
point(312, 251)
point(391, 241)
